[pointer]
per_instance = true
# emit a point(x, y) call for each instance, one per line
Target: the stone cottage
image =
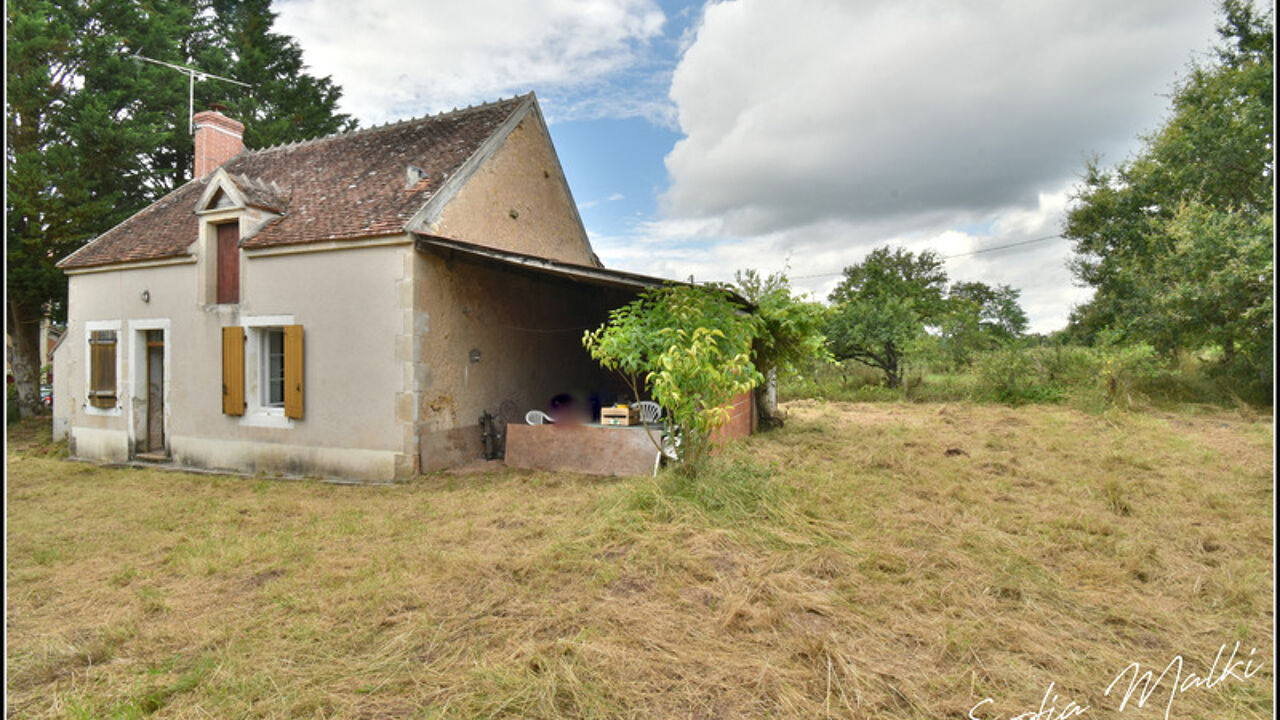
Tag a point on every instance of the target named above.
point(348, 307)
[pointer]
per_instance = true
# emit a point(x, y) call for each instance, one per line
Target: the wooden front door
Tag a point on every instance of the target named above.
point(155, 391)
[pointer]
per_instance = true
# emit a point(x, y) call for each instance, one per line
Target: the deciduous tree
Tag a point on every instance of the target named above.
point(979, 318)
point(790, 333)
point(690, 347)
point(882, 305)
point(1198, 196)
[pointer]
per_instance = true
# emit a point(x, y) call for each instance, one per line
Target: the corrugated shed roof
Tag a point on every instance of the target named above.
point(339, 187)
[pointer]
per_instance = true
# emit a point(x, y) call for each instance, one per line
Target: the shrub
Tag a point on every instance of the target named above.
point(690, 347)
point(1015, 376)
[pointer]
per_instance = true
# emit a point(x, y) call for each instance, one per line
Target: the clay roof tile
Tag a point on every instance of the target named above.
point(349, 185)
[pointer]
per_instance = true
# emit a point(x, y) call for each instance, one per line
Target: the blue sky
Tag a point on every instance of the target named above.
point(616, 169)
point(703, 138)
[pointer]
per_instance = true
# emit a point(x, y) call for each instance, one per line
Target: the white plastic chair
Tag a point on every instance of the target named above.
point(537, 417)
point(670, 450)
point(650, 411)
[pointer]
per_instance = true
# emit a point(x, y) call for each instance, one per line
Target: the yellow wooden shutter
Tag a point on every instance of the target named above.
point(233, 370)
point(293, 371)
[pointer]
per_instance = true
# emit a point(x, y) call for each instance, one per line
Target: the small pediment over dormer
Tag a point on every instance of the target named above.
point(226, 191)
point(221, 193)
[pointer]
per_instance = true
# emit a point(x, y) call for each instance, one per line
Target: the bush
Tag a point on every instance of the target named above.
point(1090, 378)
point(849, 381)
point(691, 349)
point(1013, 376)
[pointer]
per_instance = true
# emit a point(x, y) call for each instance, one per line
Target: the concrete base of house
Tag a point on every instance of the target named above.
point(356, 464)
point(444, 449)
point(98, 444)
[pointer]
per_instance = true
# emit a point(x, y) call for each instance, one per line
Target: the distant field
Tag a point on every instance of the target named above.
point(868, 560)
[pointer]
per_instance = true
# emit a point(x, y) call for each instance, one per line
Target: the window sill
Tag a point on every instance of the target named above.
point(105, 412)
point(266, 418)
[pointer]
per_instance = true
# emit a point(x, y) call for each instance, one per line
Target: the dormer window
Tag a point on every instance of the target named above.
point(228, 260)
point(231, 209)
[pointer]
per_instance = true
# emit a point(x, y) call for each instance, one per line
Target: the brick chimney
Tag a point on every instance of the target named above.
point(218, 139)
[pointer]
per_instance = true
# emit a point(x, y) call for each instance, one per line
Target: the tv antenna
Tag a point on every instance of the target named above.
point(192, 75)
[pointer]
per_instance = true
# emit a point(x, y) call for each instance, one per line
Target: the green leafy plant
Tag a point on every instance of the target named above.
point(790, 334)
point(690, 348)
point(1177, 241)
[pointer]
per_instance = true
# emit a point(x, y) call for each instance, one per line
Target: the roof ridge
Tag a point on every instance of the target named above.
point(390, 124)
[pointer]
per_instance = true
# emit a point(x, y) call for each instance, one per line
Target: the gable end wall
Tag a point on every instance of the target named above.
point(519, 201)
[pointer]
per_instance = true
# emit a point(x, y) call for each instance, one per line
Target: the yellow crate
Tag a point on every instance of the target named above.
point(619, 416)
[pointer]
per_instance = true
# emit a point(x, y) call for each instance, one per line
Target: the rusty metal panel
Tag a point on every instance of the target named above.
point(587, 449)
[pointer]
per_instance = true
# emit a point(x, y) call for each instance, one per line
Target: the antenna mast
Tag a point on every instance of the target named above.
point(192, 75)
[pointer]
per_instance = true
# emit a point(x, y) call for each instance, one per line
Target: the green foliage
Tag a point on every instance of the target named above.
point(882, 305)
point(998, 311)
point(1089, 378)
point(1177, 241)
point(691, 348)
point(1015, 377)
point(979, 318)
point(790, 333)
point(1219, 279)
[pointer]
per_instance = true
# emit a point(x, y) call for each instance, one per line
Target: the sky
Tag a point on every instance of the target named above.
point(699, 139)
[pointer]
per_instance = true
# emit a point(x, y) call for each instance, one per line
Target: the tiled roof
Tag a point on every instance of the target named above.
point(339, 187)
point(262, 195)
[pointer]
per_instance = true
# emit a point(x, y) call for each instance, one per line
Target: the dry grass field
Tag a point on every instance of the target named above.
point(866, 561)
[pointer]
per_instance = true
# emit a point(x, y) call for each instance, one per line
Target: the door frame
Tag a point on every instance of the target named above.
point(138, 382)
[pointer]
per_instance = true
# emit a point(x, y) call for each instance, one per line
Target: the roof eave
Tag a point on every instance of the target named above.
point(572, 271)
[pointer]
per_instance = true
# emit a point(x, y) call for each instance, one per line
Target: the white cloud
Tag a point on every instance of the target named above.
point(816, 131)
point(797, 111)
point(614, 197)
point(400, 59)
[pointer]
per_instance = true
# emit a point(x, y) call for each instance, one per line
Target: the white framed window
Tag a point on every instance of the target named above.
point(102, 367)
point(271, 371)
point(271, 367)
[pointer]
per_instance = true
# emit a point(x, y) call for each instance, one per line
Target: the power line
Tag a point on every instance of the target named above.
point(948, 257)
point(1002, 247)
